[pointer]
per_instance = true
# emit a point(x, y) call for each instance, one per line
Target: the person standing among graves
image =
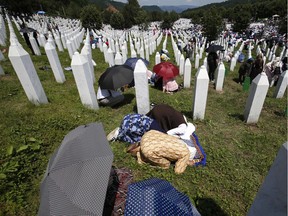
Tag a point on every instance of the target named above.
point(212, 61)
point(26, 37)
point(169, 85)
point(244, 70)
point(188, 49)
point(257, 67)
point(273, 70)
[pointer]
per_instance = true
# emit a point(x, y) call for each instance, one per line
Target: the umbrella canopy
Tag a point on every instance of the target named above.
point(41, 12)
point(131, 62)
point(214, 48)
point(27, 30)
point(116, 76)
point(76, 179)
point(166, 70)
point(157, 197)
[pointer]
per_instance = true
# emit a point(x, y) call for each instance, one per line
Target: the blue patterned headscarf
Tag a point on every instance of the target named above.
point(133, 127)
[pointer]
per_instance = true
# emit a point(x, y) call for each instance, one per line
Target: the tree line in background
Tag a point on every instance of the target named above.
point(93, 14)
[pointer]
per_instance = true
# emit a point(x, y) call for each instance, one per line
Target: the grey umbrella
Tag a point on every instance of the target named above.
point(76, 179)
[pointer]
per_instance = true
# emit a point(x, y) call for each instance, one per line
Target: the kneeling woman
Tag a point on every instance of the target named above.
point(161, 149)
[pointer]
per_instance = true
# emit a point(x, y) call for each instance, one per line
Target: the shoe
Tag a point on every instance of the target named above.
point(112, 136)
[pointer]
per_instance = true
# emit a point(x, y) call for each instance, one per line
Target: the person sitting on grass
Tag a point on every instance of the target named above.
point(133, 127)
point(169, 85)
point(108, 97)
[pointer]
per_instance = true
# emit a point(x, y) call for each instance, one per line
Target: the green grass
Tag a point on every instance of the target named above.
point(238, 155)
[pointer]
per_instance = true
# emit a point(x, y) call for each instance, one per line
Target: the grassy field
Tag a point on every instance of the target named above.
point(238, 155)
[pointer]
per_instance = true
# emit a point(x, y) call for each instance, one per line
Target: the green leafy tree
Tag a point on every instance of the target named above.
point(90, 17)
point(242, 17)
point(167, 22)
point(212, 24)
point(173, 16)
point(155, 16)
point(142, 19)
point(130, 12)
point(106, 16)
point(117, 20)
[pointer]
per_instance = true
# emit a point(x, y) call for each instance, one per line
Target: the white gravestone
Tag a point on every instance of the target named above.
point(181, 64)
point(281, 85)
point(86, 52)
point(133, 53)
point(233, 63)
point(110, 56)
point(142, 54)
point(83, 81)
point(271, 198)
point(141, 87)
point(1, 56)
point(27, 74)
point(118, 59)
point(200, 93)
point(54, 63)
point(220, 75)
point(157, 58)
point(197, 61)
point(43, 40)
point(187, 73)
point(34, 45)
point(58, 43)
point(1, 71)
point(256, 98)
point(124, 53)
point(70, 48)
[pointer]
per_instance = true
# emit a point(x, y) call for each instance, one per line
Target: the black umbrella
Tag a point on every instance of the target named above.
point(214, 48)
point(131, 62)
point(76, 179)
point(116, 77)
point(27, 30)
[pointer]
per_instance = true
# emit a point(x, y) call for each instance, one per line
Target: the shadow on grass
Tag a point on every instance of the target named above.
point(236, 80)
point(280, 113)
point(127, 100)
point(208, 207)
point(237, 116)
point(187, 113)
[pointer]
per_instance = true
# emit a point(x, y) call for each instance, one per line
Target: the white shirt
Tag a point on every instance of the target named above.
point(104, 93)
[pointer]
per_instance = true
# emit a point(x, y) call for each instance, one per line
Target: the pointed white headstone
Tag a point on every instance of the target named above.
point(80, 68)
point(200, 93)
point(187, 73)
point(157, 58)
point(54, 63)
point(181, 64)
point(281, 85)
point(256, 98)
point(118, 59)
point(27, 74)
point(220, 75)
point(141, 87)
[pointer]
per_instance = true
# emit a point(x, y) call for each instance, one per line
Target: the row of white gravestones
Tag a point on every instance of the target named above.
point(25, 70)
point(3, 35)
point(255, 100)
